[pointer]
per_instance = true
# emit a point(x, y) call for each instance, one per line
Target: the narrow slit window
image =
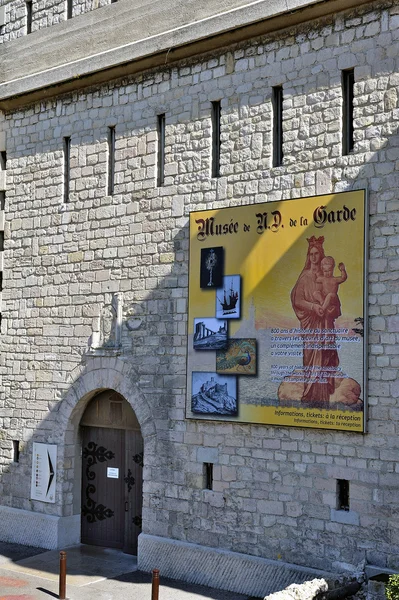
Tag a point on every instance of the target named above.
point(216, 112)
point(342, 494)
point(1, 281)
point(161, 150)
point(69, 9)
point(208, 476)
point(1, 241)
point(28, 16)
point(111, 160)
point(277, 102)
point(3, 160)
point(348, 84)
point(67, 167)
point(2, 200)
point(15, 448)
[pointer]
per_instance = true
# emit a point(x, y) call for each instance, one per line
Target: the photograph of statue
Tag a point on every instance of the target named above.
point(212, 267)
point(327, 285)
point(316, 304)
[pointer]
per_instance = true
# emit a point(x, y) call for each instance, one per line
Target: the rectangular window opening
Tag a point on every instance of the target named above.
point(208, 476)
point(3, 160)
point(69, 9)
point(348, 84)
point(1, 241)
point(1, 281)
point(3, 166)
point(161, 150)
point(216, 113)
point(28, 16)
point(67, 167)
point(111, 160)
point(277, 104)
point(15, 448)
point(342, 494)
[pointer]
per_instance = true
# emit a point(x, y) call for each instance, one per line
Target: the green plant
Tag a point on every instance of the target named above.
point(392, 588)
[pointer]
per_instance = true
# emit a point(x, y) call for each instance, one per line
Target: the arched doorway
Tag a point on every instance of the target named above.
point(112, 473)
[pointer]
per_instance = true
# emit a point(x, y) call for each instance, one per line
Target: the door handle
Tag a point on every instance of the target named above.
point(126, 506)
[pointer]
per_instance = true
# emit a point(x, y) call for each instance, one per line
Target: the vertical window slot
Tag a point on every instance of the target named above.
point(161, 150)
point(348, 84)
point(67, 167)
point(111, 160)
point(3, 166)
point(3, 160)
point(69, 9)
point(342, 494)
point(15, 448)
point(277, 104)
point(29, 16)
point(216, 113)
point(208, 476)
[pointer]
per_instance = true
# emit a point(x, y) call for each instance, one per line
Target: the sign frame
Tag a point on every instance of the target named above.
point(212, 229)
point(44, 472)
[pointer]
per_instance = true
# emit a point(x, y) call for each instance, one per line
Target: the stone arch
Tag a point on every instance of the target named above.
point(86, 381)
point(97, 374)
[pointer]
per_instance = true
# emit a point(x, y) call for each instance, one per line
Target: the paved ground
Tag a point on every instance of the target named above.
point(92, 574)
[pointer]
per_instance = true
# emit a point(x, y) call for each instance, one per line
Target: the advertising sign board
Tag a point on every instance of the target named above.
point(279, 338)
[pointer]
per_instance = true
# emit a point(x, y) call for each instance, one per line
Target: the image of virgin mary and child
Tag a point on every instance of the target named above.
point(316, 304)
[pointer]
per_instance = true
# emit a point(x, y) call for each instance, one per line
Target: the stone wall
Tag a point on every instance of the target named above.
point(274, 488)
point(44, 14)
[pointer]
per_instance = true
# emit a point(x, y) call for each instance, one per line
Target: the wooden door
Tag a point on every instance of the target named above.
point(112, 484)
point(103, 508)
point(133, 490)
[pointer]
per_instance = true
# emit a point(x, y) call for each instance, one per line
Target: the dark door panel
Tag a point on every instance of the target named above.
point(103, 509)
point(133, 489)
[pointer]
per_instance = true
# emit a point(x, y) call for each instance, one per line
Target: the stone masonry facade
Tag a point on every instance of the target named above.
point(45, 13)
point(274, 490)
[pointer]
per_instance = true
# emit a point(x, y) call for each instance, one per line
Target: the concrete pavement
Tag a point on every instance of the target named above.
point(93, 573)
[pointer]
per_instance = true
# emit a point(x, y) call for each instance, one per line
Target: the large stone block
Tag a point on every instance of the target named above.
point(222, 569)
point(38, 529)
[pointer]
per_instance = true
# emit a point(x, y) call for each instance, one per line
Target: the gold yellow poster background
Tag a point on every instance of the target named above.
point(267, 245)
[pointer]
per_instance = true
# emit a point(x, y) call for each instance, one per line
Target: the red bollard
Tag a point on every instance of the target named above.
point(62, 588)
point(155, 584)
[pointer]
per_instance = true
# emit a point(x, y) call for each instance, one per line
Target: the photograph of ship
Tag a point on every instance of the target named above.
point(228, 298)
point(238, 358)
point(212, 267)
point(214, 394)
point(209, 334)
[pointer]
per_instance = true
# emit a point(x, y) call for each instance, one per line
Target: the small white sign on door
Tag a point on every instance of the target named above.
point(112, 473)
